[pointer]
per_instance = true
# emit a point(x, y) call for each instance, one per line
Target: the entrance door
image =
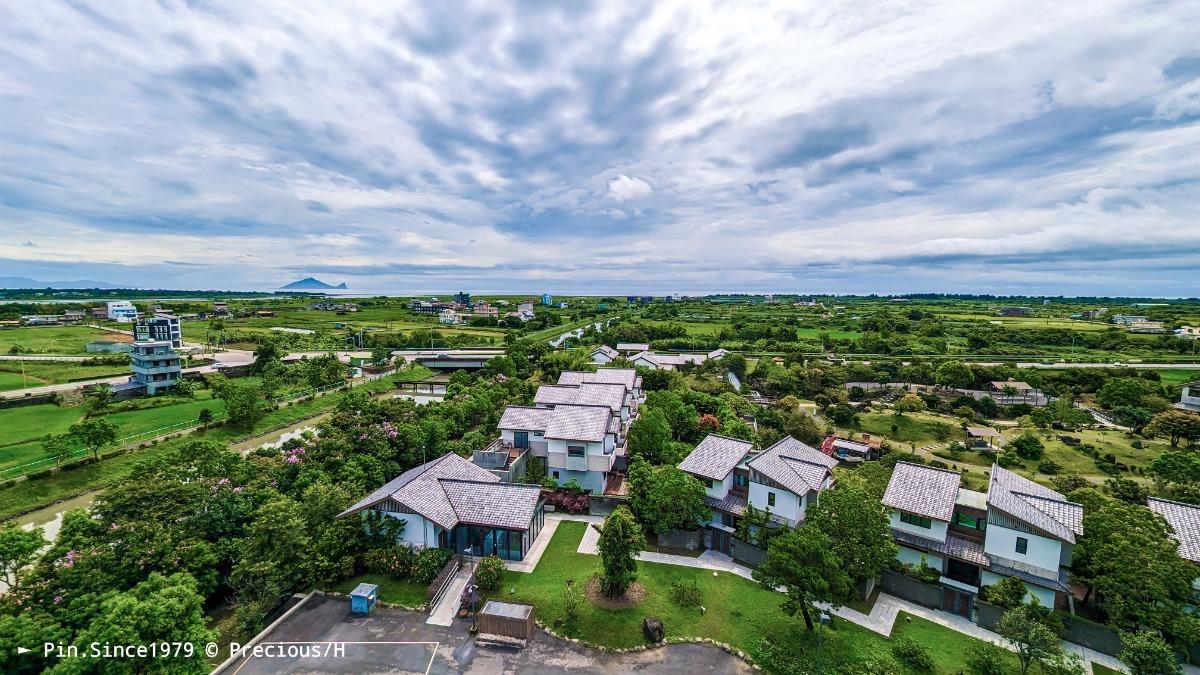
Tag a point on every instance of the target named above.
point(720, 541)
point(521, 439)
point(956, 601)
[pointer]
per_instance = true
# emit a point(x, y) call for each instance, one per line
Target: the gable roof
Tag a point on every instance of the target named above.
point(1184, 520)
point(611, 396)
point(923, 490)
point(578, 422)
point(796, 466)
point(623, 376)
point(450, 490)
point(607, 351)
point(524, 418)
point(715, 456)
point(1034, 504)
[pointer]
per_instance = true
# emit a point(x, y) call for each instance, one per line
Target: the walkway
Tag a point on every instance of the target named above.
point(884, 613)
point(443, 614)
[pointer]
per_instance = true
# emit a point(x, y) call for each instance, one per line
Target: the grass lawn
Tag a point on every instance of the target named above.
point(1098, 669)
point(407, 593)
point(38, 373)
point(919, 428)
point(738, 611)
point(53, 339)
point(1174, 377)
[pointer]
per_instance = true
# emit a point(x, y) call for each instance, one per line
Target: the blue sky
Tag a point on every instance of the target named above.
point(1010, 147)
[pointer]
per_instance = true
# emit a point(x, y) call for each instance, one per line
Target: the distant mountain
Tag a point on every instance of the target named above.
point(26, 282)
point(311, 284)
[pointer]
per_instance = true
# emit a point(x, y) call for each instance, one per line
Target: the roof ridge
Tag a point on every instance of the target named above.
point(1172, 501)
point(931, 468)
point(1064, 500)
point(728, 438)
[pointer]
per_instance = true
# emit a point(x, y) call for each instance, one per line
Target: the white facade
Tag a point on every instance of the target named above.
point(1041, 552)
point(788, 505)
point(122, 311)
point(936, 531)
point(419, 532)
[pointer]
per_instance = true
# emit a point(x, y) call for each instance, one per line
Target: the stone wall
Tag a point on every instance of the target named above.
point(690, 540)
point(746, 553)
point(987, 615)
point(599, 505)
point(1090, 634)
point(913, 590)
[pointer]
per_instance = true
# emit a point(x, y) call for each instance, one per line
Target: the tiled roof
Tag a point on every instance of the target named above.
point(450, 490)
point(923, 490)
point(1014, 384)
point(624, 376)
point(732, 503)
point(1184, 520)
point(523, 418)
point(982, 431)
point(794, 465)
point(1034, 504)
point(607, 351)
point(715, 456)
point(578, 422)
point(955, 547)
point(669, 359)
point(589, 393)
point(491, 504)
point(632, 346)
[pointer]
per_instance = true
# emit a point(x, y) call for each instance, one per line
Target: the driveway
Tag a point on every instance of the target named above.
point(395, 641)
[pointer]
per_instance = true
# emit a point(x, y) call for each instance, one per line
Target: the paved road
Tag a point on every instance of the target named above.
point(47, 357)
point(396, 641)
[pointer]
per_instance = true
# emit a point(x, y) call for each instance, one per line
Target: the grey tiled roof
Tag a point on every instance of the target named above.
point(450, 490)
point(955, 547)
point(523, 418)
point(607, 351)
point(794, 465)
point(1184, 520)
point(923, 490)
point(715, 456)
point(632, 346)
point(731, 503)
point(578, 422)
point(490, 504)
point(1034, 504)
point(624, 376)
point(589, 393)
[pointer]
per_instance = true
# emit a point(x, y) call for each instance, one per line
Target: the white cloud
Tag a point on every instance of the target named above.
point(623, 188)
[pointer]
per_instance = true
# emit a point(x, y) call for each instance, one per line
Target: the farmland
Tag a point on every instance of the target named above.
point(68, 340)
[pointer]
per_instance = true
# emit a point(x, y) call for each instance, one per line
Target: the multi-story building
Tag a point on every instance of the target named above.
point(155, 365)
point(122, 311)
point(626, 377)
point(463, 298)
point(547, 299)
point(577, 442)
point(612, 396)
point(1017, 529)
point(784, 481)
point(485, 310)
point(162, 327)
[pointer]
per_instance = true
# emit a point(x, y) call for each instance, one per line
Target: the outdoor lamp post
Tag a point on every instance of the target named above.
point(472, 592)
point(822, 621)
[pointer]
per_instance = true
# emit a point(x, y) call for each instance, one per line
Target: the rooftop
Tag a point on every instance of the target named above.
point(716, 456)
point(578, 422)
point(623, 376)
point(632, 346)
point(923, 490)
point(796, 466)
point(1184, 520)
point(611, 396)
point(1034, 504)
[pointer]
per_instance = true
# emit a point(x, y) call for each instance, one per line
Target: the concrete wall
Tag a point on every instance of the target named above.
point(936, 532)
point(746, 553)
point(591, 481)
point(418, 531)
point(913, 590)
point(720, 488)
point(1092, 635)
point(987, 615)
point(681, 539)
point(1042, 552)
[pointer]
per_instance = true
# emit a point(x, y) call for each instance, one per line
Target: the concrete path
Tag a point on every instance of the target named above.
point(447, 607)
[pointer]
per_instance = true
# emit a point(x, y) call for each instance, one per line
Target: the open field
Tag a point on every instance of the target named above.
point(38, 373)
point(54, 339)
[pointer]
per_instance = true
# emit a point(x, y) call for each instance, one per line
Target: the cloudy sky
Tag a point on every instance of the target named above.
point(1041, 147)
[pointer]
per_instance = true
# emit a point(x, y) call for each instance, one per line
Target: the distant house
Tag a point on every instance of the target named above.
point(1017, 529)
point(155, 365)
point(449, 503)
point(849, 450)
point(1188, 332)
point(162, 327)
point(220, 309)
point(485, 310)
point(100, 312)
point(72, 316)
point(1127, 319)
point(1189, 398)
point(1016, 311)
point(428, 307)
point(1147, 327)
point(603, 354)
point(783, 480)
point(983, 438)
point(1184, 520)
point(547, 299)
point(626, 377)
point(122, 311)
point(449, 317)
point(264, 313)
point(632, 347)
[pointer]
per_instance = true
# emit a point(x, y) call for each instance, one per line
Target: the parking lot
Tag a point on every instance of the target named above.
point(395, 641)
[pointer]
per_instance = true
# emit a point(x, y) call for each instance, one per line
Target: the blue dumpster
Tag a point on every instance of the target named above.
point(363, 598)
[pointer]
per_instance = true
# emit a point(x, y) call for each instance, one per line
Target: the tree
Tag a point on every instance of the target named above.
point(205, 417)
point(1009, 592)
point(909, 403)
point(95, 434)
point(1146, 654)
point(954, 374)
point(244, 405)
point(858, 527)
point(381, 355)
point(1177, 474)
point(1026, 445)
point(268, 352)
point(489, 574)
point(18, 549)
point(1030, 637)
point(100, 397)
point(1129, 392)
point(1127, 490)
point(58, 446)
point(1177, 425)
point(648, 436)
point(803, 561)
point(665, 498)
point(621, 541)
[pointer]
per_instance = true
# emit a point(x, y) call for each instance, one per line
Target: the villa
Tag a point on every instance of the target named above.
point(452, 504)
point(604, 354)
point(1017, 529)
point(653, 361)
point(1189, 397)
point(783, 480)
point(1184, 520)
point(613, 396)
point(626, 377)
point(577, 441)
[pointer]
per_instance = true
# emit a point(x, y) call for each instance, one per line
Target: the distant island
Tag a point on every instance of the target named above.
point(311, 284)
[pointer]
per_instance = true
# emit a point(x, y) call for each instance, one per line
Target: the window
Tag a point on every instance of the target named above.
point(968, 520)
point(770, 499)
point(576, 451)
point(708, 483)
point(915, 520)
point(741, 480)
point(555, 475)
point(1022, 545)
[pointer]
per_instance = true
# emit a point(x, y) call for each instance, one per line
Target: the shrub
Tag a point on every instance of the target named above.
point(686, 593)
point(986, 658)
point(428, 563)
point(1007, 593)
point(1049, 467)
point(490, 574)
point(568, 500)
point(572, 601)
point(912, 654)
point(394, 561)
point(1135, 444)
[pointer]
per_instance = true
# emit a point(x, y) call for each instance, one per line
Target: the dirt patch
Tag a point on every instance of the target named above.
point(633, 595)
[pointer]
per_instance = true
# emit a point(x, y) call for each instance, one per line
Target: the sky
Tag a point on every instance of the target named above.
point(612, 147)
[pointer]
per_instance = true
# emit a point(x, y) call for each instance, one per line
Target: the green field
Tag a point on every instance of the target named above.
point(406, 593)
point(1174, 377)
point(38, 373)
point(52, 339)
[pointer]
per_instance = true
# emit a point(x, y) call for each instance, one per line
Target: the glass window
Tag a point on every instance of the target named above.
point(708, 482)
point(576, 451)
point(1022, 545)
point(968, 520)
point(555, 475)
point(741, 479)
point(770, 499)
point(915, 520)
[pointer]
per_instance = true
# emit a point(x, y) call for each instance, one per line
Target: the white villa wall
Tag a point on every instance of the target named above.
point(418, 531)
point(787, 504)
point(720, 488)
point(1044, 596)
point(937, 532)
point(600, 357)
point(537, 441)
point(912, 557)
point(1042, 552)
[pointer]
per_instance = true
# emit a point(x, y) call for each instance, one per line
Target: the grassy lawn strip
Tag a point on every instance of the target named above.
point(737, 611)
point(407, 593)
